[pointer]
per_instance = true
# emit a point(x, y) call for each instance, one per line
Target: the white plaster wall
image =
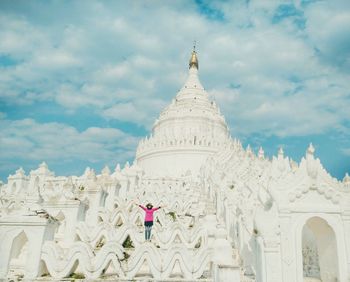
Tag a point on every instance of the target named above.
point(346, 222)
point(174, 163)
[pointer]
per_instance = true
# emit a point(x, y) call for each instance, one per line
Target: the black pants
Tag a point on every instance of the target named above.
point(148, 229)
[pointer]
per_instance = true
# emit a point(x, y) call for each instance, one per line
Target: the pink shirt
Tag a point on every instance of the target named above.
point(149, 213)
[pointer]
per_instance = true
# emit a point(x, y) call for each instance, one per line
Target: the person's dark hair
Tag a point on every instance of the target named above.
point(149, 206)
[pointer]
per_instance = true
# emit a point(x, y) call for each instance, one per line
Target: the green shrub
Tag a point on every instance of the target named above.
point(173, 215)
point(157, 220)
point(100, 243)
point(77, 275)
point(126, 256)
point(199, 243)
point(128, 244)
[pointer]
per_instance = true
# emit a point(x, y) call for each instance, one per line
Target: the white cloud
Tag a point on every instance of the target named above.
point(18, 37)
point(124, 112)
point(346, 151)
point(55, 59)
point(127, 66)
point(32, 141)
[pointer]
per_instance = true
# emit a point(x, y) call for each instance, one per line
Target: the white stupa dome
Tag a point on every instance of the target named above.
point(187, 131)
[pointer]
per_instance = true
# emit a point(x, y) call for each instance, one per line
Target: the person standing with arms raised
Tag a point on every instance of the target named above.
point(149, 210)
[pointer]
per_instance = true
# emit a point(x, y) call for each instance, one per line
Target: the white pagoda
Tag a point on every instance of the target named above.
point(231, 215)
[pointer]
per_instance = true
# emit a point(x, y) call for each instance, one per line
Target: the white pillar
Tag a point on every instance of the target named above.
point(70, 209)
point(272, 262)
point(226, 273)
point(94, 203)
point(112, 193)
point(346, 221)
point(225, 267)
point(287, 248)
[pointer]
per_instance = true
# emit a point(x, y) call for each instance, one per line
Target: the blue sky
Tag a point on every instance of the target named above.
point(82, 81)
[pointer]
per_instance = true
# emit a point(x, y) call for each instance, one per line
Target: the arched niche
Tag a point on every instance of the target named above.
point(319, 251)
point(14, 188)
point(103, 198)
point(83, 209)
point(36, 184)
point(139, 221)
point(117, 190)
point(43, 271)
point(18, 254)
point(137, 181)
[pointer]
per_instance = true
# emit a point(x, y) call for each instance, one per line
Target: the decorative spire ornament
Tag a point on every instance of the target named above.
point(310, 149)
point(194, 60)
point(261, 153)
point(280, 152)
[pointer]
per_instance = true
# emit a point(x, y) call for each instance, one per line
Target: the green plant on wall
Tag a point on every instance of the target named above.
point(77, 275)
point(100, 243)
point(157, 220)
point(173, 215)
point(198, 244)
point(128, 244)
point(126, 256)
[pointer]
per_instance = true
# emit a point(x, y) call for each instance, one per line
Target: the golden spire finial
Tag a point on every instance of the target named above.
point(194, 59)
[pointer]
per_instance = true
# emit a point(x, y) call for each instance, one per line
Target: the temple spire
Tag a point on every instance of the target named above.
point(194, 60)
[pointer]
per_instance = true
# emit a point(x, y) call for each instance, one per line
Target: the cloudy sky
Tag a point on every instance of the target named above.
point(82, 81)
